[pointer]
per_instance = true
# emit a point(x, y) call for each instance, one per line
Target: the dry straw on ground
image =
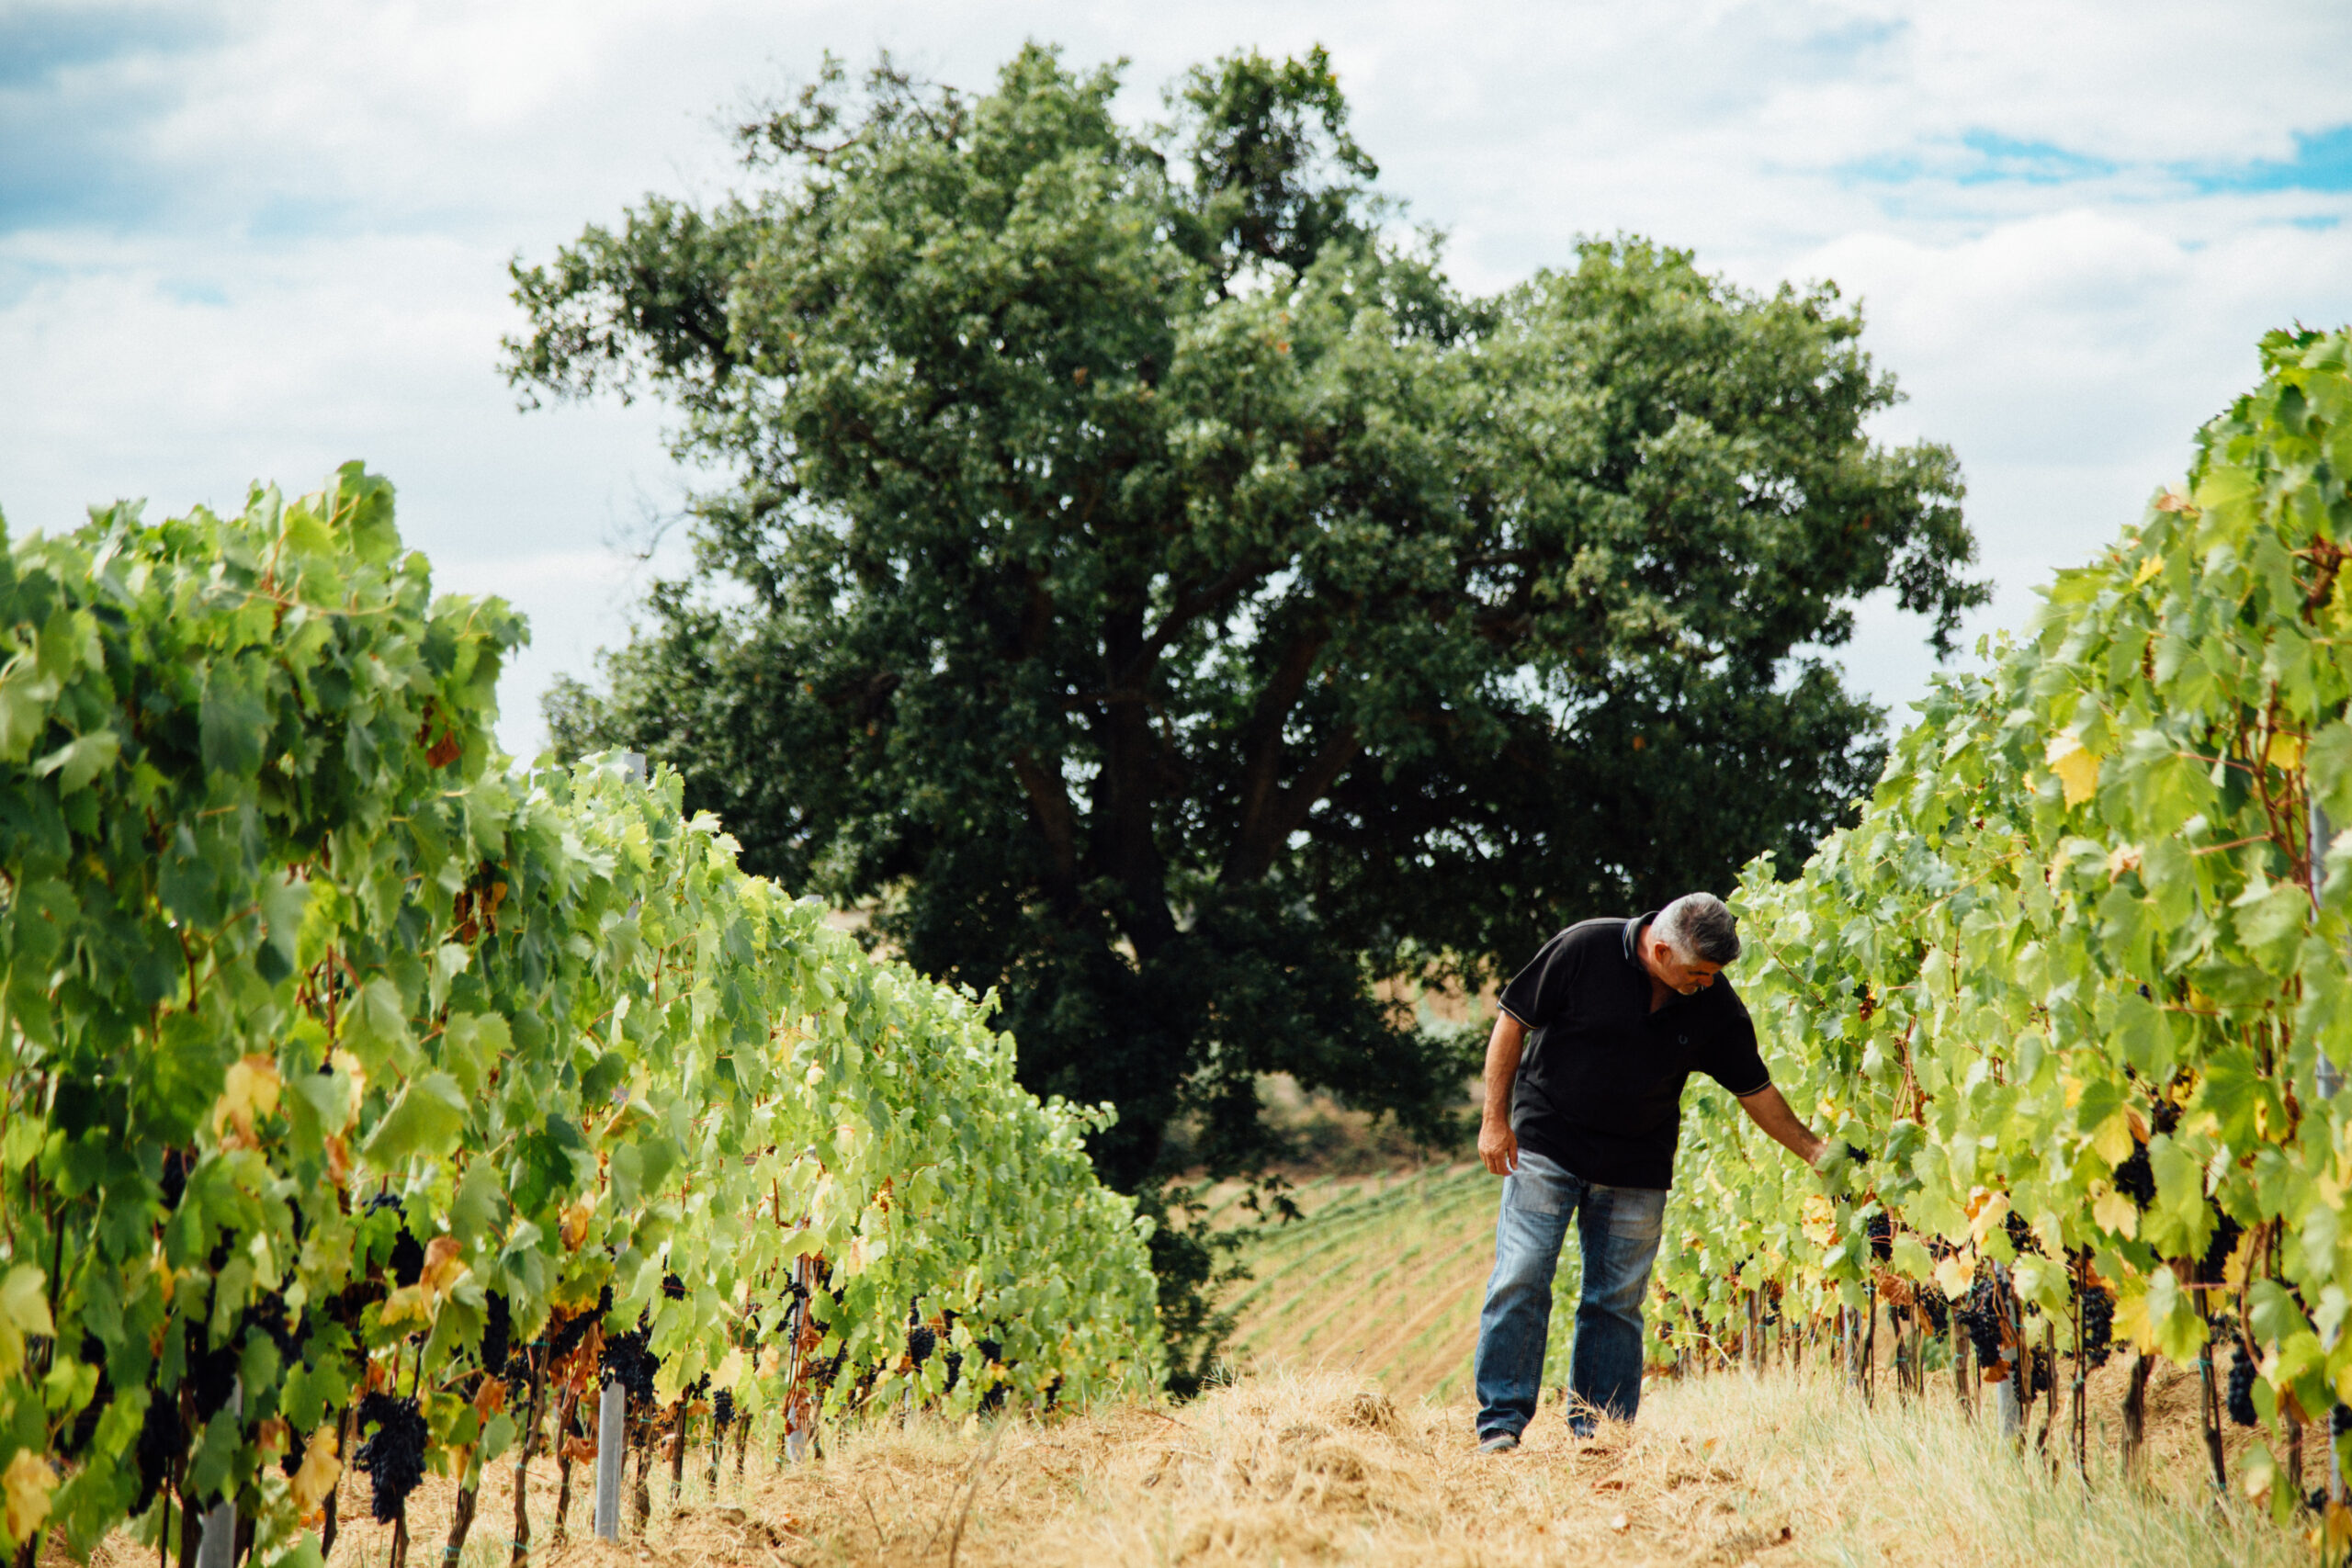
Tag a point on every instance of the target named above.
point(1783, 1468)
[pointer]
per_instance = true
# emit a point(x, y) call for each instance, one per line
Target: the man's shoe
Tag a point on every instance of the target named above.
point(1501, 1443)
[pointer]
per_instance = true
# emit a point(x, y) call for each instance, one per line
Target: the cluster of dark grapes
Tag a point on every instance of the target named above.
point(1881, 1232)
point(922, 1340)
point(629, 1361)
point(673, 1288)
point(268, 1313)
point(407, 1261)
point(211, 1374)
point(1978, 1313)
point(722, 1410)
point(2216, 1261)
point(567, 1338)
point(394, 1457)
point(2098, 1325)
point(2135, 1180)
point(2241, 1398)
point(161, 1440)
point(1936, 1307)
point(85, 1424)
point(497, 1333)
point(2040, 1361)
point(2022, 1235)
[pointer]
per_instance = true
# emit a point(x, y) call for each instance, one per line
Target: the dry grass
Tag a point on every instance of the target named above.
point(1784, 1468)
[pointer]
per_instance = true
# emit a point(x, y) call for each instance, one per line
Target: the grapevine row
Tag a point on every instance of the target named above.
point(368, 1098)
point(2077, 979)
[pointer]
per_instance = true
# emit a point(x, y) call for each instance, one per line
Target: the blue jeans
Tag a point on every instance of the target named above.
point(1618, 1228)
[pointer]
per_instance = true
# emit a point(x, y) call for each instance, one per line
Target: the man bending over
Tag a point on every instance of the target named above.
point(1584, 1099)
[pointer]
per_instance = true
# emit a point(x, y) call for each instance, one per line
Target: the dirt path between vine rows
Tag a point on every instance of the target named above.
point(1726, 1469)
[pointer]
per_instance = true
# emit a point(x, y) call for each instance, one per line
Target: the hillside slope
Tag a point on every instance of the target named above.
point(1380, 1279)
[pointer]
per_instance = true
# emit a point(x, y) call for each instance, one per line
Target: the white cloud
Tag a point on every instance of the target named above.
point(271, 235)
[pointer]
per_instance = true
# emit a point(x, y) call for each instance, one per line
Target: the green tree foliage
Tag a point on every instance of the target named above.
point(2078, 976)
point(1184, 607)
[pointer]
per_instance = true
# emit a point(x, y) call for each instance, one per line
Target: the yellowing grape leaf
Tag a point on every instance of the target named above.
point(24, 1309)
point(2077, 769)
point(2113, 1142)
point(2116, 1213)
point(320, 1470)
point(2260, 1470)
point(251, 1091)
point(2285, 751)
point(409, 1301)
point(444, 1262)
point(27, 1484)
point(1986, 1209)
point(2148, 569)
point(575, 1223)
point(1953, 1276)
point(1820, 1220)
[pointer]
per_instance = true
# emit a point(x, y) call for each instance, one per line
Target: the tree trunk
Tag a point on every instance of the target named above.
point(643, 1499)
point(522, 1465)
point(461, 1521)
point(678, 1455)
point(2135, 1418)
point(191, 1531)
point(567, 1406)
point(2209, 1408)
point(1961, 1391)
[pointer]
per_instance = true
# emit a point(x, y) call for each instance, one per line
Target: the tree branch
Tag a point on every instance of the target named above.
point(1263, 736)
point(1057, 820)
point(1189, 606)
point(1253, 851)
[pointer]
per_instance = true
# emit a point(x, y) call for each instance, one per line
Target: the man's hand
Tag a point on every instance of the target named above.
point(1769, 1111)
point(1497, 1148)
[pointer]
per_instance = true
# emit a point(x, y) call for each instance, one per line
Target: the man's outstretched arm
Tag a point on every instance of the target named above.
point(1498, 1146)
point(1769, 1111)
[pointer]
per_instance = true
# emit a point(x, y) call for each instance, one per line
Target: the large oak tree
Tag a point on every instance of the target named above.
point(1179, 606)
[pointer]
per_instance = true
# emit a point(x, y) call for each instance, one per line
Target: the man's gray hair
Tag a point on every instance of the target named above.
point(1700, 927)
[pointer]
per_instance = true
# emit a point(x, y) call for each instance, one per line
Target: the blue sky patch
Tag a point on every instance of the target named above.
point(38, 41)
point(2322, 162)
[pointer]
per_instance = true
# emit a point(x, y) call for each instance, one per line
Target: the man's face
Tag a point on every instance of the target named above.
point(1675, 972)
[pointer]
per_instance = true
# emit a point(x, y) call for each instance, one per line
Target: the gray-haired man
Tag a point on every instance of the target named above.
point(1584, 1098)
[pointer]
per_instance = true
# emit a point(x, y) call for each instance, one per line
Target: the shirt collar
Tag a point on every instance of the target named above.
point(1632, 936)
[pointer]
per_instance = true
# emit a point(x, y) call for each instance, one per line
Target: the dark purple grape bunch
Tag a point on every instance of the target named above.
point(2241, 1399)
point(394, 1457)
point(161, 1440)
point(2098, 1325)
point(629, 1361)
point(1978, 1315)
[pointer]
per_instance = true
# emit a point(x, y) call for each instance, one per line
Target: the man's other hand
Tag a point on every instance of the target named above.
point(1497, 1149)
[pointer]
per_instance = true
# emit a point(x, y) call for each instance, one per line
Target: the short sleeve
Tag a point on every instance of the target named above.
point(1732, 1058)
point(1537, 994)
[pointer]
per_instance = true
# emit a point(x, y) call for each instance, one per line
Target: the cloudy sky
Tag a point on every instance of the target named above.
point(248, 239)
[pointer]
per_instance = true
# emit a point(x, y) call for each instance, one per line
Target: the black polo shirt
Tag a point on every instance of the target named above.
point(1600, 1087)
